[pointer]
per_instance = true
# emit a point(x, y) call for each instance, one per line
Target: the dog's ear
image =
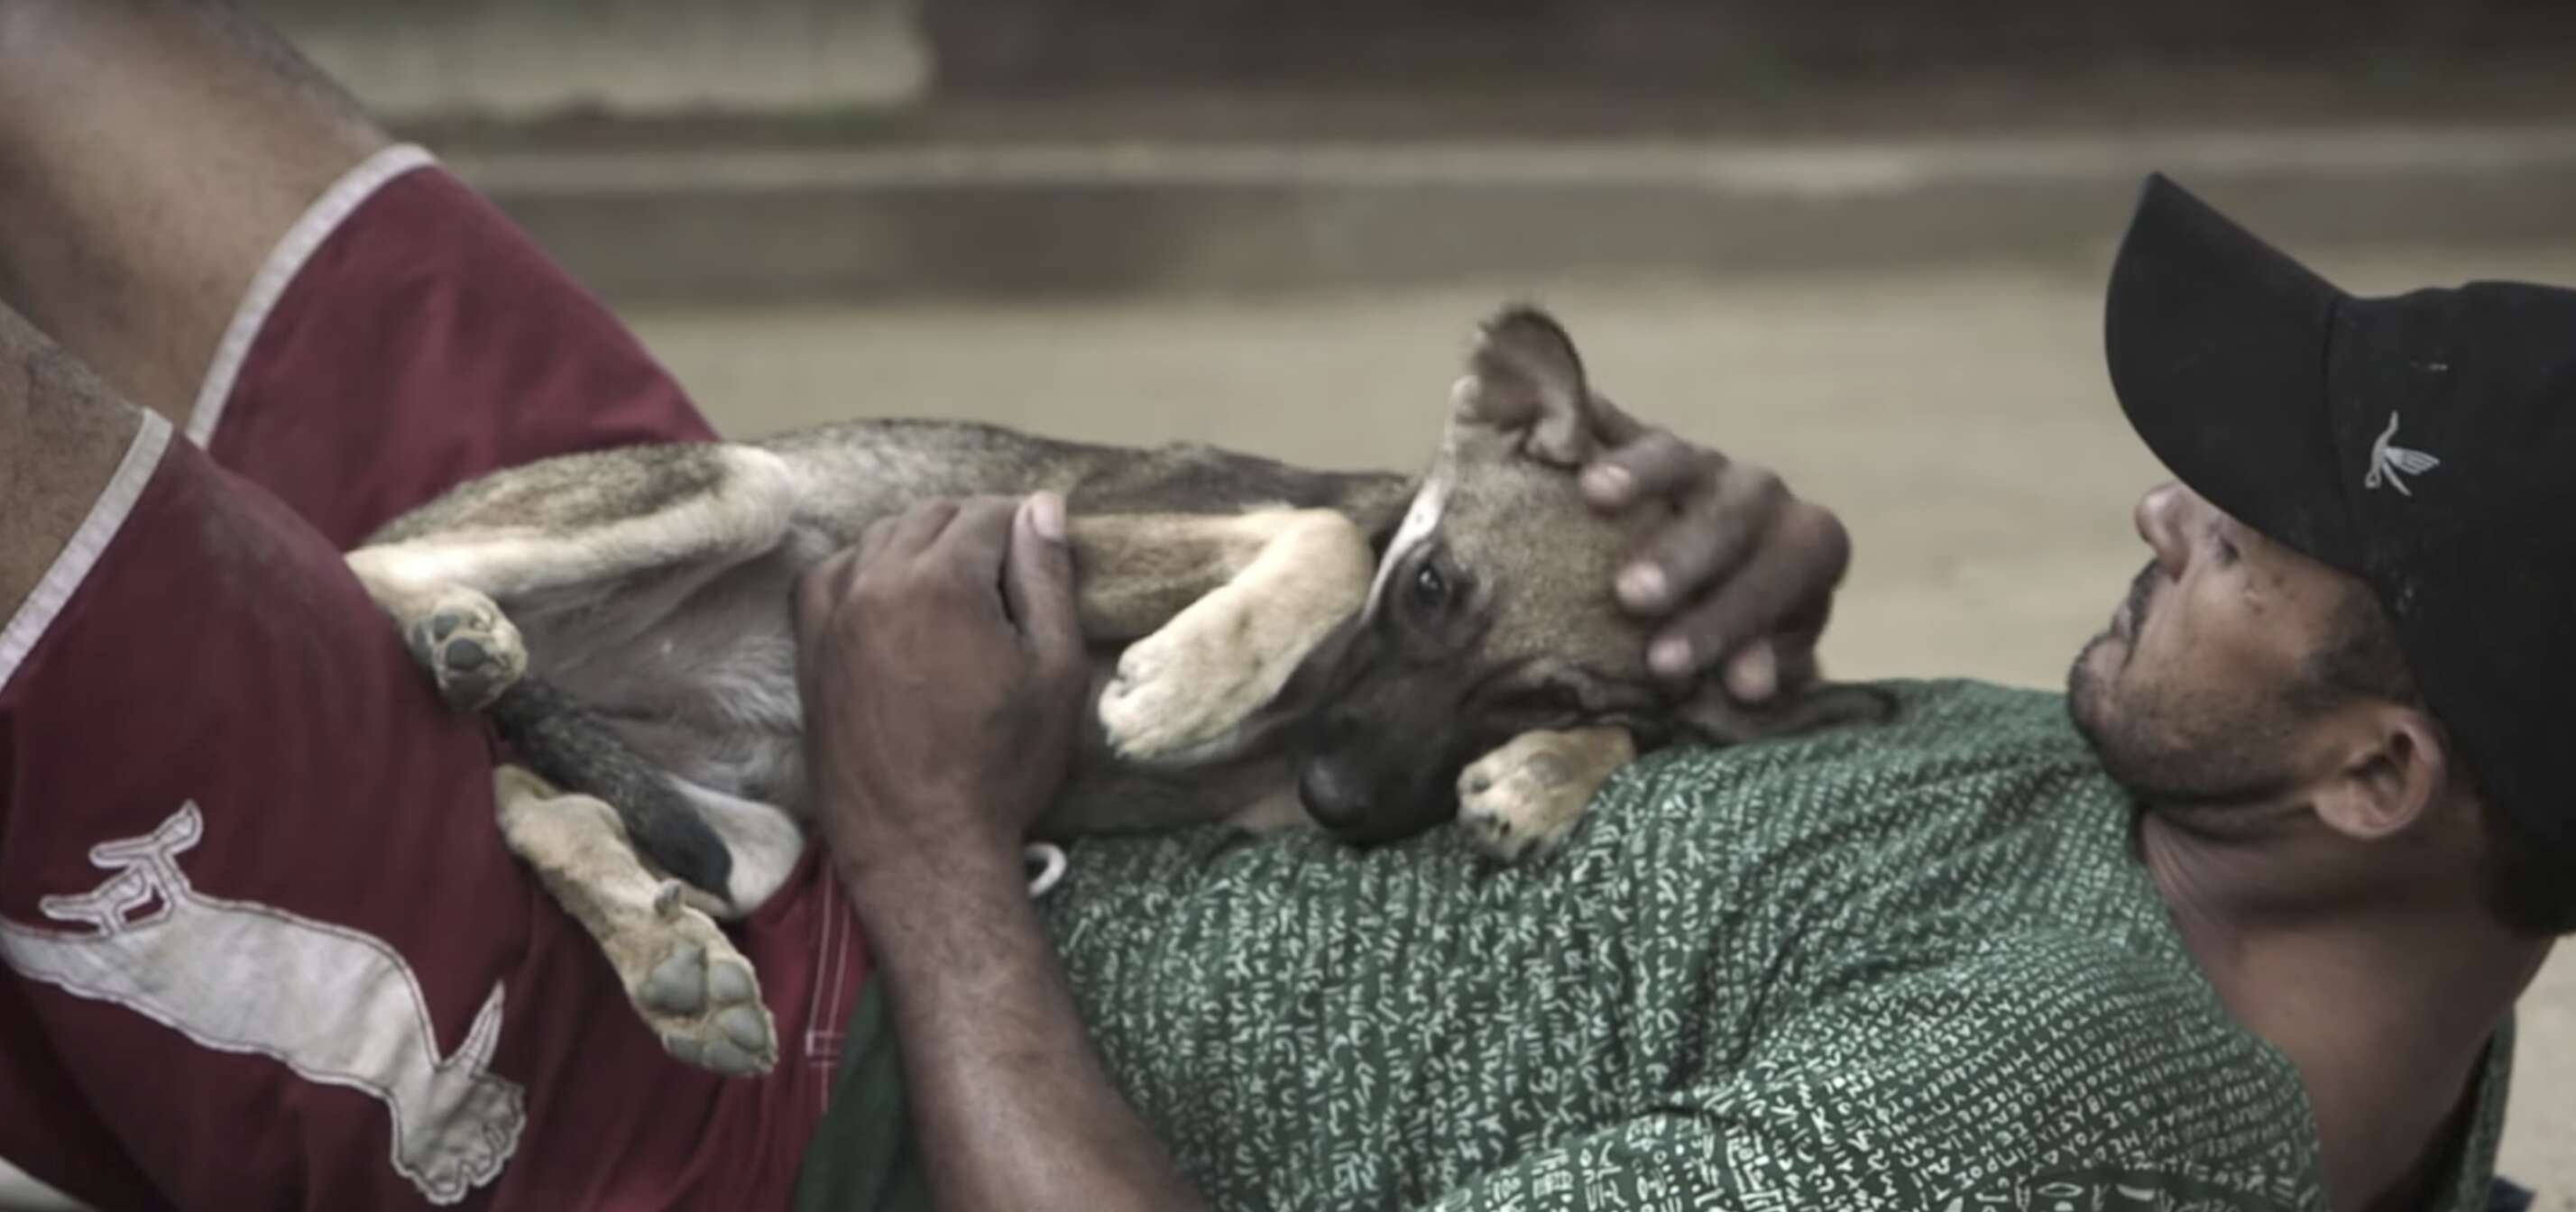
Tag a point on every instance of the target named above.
point(1525, 380)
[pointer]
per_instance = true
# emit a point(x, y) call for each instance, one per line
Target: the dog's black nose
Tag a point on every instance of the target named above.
point(1332, 792)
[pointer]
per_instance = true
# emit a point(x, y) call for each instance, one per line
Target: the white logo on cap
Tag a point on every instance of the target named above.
point(2389, 464)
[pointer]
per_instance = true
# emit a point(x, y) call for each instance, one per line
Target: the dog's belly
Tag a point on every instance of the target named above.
point(706, 692)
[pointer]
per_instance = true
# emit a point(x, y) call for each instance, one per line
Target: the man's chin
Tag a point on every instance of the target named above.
point(2090, 685)
point(2089, 679)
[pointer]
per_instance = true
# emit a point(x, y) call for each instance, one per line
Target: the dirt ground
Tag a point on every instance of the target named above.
point(1957, 418)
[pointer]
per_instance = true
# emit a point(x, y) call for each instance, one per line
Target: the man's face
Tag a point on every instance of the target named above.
point(2203, 692)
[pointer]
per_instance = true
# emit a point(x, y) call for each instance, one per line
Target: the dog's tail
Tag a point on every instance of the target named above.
point(574, 749)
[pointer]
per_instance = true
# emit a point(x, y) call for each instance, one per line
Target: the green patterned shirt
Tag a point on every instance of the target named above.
point(1912, 966)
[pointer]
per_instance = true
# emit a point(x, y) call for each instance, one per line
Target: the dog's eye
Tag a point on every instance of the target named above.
point(1430, 589)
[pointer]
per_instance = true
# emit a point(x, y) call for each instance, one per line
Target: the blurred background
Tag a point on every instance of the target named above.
point(1861, 241)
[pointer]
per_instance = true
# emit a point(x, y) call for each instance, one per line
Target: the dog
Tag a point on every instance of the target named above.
point(1267, 633)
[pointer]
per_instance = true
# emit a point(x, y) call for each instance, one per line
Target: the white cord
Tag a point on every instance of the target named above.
point(1048, 858)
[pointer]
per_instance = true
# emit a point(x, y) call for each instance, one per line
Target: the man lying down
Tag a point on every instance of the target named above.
point(2237, 923)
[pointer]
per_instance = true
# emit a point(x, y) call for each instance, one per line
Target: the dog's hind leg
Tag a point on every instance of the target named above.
point(625, 534)
point(692, 988)
point(762, 844)
point(1234, 605)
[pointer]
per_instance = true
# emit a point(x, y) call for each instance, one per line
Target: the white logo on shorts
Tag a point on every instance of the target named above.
point(336, 1006)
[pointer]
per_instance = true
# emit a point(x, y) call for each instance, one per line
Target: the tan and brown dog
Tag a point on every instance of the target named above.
point(624, 615)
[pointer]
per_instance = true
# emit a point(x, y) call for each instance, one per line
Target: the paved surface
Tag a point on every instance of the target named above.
point(1958, 418)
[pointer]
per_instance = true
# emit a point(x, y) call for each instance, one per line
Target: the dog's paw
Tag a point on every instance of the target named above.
point(699, 995)
point(1521, 801)
point(469, 647)
point(1183, 694)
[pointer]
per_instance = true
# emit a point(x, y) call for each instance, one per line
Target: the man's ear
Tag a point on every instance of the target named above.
point(1525, 381)
point(2392, 774)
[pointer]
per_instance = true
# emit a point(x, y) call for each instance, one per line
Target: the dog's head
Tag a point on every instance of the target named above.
point(1492, 613)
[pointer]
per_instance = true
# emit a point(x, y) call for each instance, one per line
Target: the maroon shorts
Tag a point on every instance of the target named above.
point(264, 945)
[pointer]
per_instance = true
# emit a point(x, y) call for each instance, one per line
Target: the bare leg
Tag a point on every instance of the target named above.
point(62, 434)
point(151, 154)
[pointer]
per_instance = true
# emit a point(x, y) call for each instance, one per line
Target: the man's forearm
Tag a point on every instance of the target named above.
point(1011, 1103)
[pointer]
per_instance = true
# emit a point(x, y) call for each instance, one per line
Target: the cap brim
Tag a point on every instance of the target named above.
point(2217, 345)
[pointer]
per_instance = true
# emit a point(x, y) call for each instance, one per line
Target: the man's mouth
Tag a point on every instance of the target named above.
point(2133, 609)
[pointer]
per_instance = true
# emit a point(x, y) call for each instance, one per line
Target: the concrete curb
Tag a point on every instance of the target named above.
point(1070, 218)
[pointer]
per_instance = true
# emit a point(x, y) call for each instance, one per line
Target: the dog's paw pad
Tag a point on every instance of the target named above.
point(719, 1057)
point(703, 1002)
point(469, 648)
point(731, 982)
point(679, 984)
point(746, 1026)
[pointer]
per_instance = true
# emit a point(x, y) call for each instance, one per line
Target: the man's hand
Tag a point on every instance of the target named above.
point(1744, 575)
point(944, 677)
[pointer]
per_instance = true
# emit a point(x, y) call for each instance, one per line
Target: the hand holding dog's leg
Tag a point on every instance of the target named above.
point(943, 673)
point(1744, 575)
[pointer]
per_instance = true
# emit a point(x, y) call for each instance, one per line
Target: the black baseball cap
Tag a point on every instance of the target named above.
point(2425, 443)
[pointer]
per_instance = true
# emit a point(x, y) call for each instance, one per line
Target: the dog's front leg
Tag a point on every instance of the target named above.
point(1234, 604)
point(1521, 800)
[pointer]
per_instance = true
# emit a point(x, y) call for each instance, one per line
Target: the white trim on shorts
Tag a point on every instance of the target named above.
point(106, 516)
point(293, 249)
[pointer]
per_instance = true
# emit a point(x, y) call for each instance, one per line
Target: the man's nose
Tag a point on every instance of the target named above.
point(2161, 515)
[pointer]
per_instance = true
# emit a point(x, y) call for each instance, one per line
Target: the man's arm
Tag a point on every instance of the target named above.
point(944, 679)
point(1012, 1105)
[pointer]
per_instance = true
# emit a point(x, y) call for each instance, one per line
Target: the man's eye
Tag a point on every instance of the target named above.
point(1430, 589)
